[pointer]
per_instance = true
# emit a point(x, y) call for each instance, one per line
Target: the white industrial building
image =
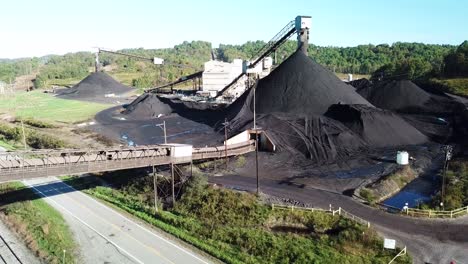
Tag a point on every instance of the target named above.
point(218, 74)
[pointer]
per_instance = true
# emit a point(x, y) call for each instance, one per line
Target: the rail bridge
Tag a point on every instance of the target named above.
point(23, 165)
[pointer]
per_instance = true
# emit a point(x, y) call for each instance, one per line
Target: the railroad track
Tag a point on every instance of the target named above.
point(7, 255)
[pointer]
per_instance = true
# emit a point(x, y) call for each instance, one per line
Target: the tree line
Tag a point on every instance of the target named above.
point(399, 60)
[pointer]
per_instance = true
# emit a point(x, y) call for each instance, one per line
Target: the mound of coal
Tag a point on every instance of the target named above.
point(406, 97)
point(377, 127)
point(147, 106)
point(95, 86)
point(317, 138)
point(301, 86)
point(360, 83)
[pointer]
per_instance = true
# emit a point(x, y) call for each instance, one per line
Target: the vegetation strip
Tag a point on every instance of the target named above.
point(39, 224)
point(235, 228)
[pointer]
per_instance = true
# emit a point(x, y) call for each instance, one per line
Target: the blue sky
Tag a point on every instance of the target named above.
point(36, 28)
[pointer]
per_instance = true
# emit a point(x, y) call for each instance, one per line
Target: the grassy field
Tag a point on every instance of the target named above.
point(235, 228)
point(344, 76)
point(41, 106)
point(6, 145)
point(39, 224)
point(457, 86)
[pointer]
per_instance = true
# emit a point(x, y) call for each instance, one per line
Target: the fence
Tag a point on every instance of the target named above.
point(414, 212)
point(435, 213)
point(339, 211)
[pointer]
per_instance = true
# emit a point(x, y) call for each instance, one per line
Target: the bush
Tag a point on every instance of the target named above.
point(367, 195)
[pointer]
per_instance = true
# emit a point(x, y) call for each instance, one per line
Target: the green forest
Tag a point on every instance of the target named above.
point(400, 60)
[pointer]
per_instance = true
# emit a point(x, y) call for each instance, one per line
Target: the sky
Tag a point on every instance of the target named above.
point(36, 28)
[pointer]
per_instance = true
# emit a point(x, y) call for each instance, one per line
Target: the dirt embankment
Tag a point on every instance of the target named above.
point(387, 186)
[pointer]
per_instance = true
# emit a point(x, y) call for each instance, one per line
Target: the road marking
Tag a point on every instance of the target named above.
point(83, 222)
point(114, 226)
point(142, 227)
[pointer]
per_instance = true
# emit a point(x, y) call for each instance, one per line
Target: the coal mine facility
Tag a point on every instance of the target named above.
point(288, 133)
point(312, 128)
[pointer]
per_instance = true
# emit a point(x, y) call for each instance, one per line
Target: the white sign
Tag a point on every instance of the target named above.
point(389, 243)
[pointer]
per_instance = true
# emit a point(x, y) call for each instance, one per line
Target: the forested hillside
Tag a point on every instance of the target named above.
point(405, 60)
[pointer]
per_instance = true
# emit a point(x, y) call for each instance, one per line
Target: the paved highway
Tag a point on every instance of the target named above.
point(139, 243)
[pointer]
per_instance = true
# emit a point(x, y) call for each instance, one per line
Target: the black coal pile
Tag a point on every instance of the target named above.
point(317, 138)
point(147, 106)
point(95, 87)
point(301, 86)
point(360, 83)
point(377, 127)
point(405, 97)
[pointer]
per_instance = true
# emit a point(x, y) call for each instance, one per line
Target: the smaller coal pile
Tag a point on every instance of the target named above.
point(96, 87)
point(405, 97)
point(147, 106)
point(377, 127)
point(360, 83)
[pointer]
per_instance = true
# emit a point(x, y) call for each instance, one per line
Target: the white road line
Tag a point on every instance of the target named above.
point(142, 227)
point(83, 222)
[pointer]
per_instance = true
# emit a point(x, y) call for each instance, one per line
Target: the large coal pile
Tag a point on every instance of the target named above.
point(378, 127)
point(147, 106)
point(317, 138)
point(406, 97)
point(301, 86)
point(95, 87)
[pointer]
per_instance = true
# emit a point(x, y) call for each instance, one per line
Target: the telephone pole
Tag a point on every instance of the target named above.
point(225, 141)
point(155, 186)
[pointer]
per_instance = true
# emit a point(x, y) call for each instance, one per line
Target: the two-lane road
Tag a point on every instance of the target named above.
point(139, 243)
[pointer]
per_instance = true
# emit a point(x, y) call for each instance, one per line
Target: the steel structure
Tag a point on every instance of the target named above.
point(43, 163)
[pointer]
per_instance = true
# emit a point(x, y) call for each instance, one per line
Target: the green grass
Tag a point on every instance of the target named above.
point(69, 82)
point(36, 221)
point(457, 86)
point(6, 145)
point(41, 106)
point(235, 228)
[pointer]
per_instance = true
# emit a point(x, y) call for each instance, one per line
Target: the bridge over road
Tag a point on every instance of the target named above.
point(24, 165)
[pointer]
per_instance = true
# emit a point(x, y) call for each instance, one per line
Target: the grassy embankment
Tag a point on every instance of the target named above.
point(235, 228)
point(388, 186)
point(37, 223)
point(458, 86)
point(45, 107)
point(456, 188)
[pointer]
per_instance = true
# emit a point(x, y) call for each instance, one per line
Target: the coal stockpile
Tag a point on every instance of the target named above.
point(147, 106)
point(406, 97)
point(360, 83)
point(377, 127)
point(95, 87)
point(301, 86)
point(316, 138)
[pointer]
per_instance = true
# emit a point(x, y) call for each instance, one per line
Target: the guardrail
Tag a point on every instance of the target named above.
point(414, 212)
point(340, 211)
point(435, 213)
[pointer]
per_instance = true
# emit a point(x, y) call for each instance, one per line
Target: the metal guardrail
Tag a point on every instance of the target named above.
point(340, 211)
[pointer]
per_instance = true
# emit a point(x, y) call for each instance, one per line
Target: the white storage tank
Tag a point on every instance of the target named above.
point(402, 158)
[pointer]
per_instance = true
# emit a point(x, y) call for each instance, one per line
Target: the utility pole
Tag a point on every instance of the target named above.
point(173, 189)
point(24, 134)
point(225, 141)
point(448, 155)
point(165, 135)
point(256, 160)
point(155, 186)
